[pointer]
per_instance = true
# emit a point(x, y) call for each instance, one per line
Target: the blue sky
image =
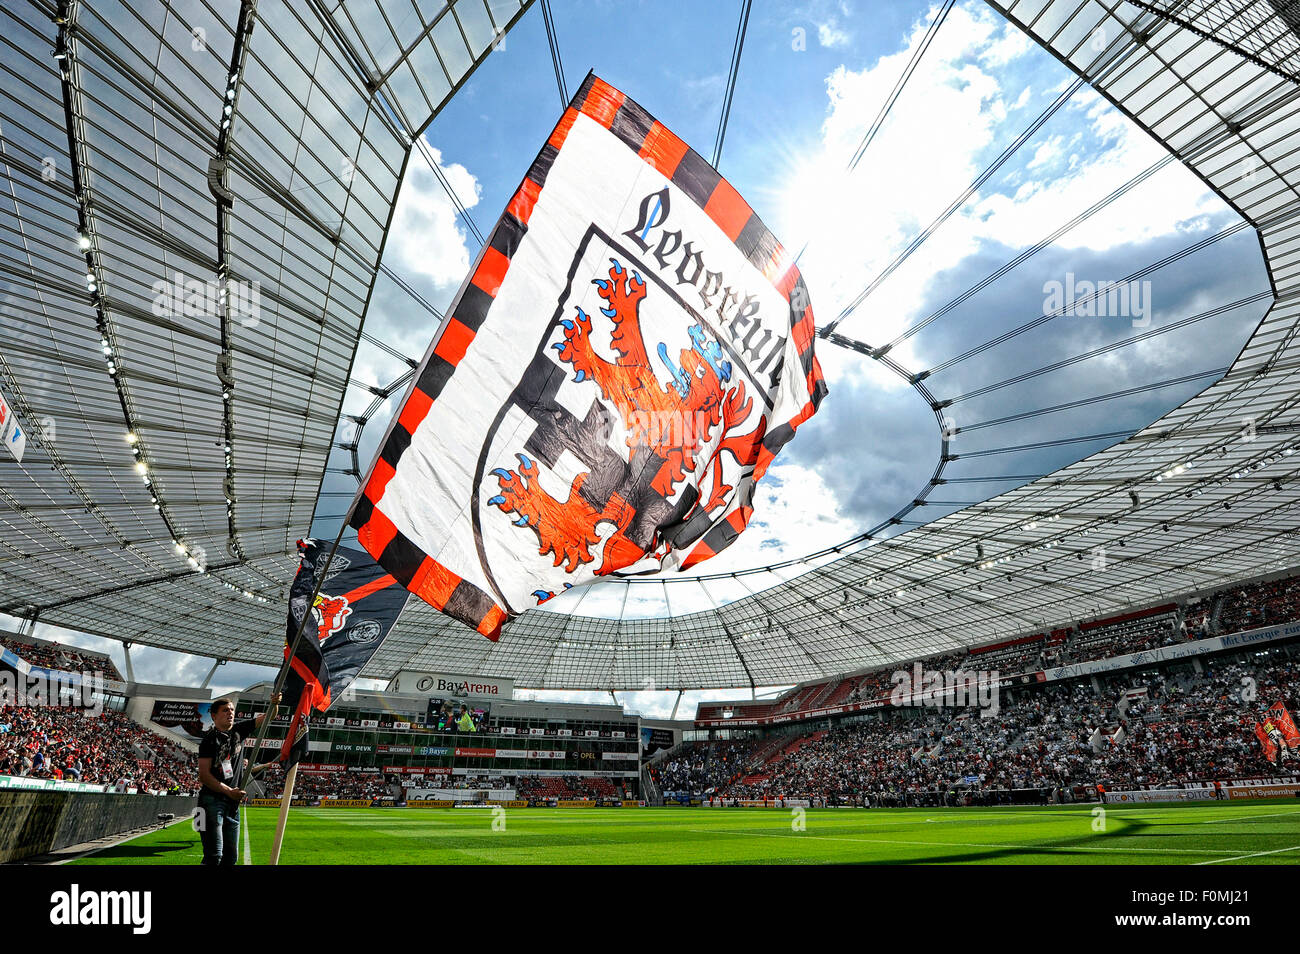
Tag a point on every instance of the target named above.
point(812, 79)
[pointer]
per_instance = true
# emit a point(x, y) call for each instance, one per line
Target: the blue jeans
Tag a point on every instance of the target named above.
point(219, 817)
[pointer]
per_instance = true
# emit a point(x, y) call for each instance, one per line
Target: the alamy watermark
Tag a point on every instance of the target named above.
point(53, 689)
point(1080, 298)
point(77, 907)
point(186, 297)
point(976, 688)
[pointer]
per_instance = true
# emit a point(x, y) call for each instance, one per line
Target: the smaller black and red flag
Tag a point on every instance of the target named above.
point(352, 613)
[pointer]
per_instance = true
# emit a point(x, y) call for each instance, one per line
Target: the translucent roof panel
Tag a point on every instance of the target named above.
point(195, 196)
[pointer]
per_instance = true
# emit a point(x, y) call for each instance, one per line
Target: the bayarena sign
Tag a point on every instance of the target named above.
point(449, 685)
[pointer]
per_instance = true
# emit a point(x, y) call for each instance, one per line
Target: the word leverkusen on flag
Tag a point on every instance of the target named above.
point(628, 355)
point(355, 606)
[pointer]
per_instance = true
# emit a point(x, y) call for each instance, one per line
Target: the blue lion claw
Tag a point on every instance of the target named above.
point(580, 376)
point(681, 381)
point(618, 269)
point(609, 312)
point(637, 275)
point(543, 595)
point(521, 522)
point(525, 461)
point(558, 346)
point(601, 283)
point(568, 325)
point(496, 501)
point(502, 473)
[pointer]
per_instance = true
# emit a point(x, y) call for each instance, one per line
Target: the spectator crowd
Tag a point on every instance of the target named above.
point(110, 748)
point(1136, 730)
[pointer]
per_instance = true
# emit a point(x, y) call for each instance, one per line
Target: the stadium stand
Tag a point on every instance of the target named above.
point(1159, 725)
point(1263, 604)
point(1128, 633)
point(1133, 730)
point(1231, 610)
point(105, 749)
point(1163, 725)
point(47, 655)
point(699, 767)
point(566, 788)
point(327, 784)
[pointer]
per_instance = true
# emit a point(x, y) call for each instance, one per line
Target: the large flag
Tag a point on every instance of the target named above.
point(357, 605)
point(629, 353)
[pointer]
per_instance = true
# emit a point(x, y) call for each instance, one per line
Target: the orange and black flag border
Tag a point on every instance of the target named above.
point(690, 172)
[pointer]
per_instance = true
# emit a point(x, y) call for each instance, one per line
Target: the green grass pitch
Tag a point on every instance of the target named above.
point(1254, 832)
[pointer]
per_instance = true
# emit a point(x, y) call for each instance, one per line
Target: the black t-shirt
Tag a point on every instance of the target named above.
point(226, 748)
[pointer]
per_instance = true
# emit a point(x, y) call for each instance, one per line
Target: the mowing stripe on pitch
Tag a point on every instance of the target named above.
point(1031, 849)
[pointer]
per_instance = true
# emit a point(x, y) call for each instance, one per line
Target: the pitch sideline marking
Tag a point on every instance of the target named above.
point(1226, 818)
point(1255, 854)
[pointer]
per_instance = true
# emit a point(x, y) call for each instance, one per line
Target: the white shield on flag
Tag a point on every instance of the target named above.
point(629, 392)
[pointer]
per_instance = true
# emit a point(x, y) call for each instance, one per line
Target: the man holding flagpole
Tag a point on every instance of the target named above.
point(220, 750)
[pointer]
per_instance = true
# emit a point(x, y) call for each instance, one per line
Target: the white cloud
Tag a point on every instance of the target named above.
point(426, 238)
point(919, 160)
point(795, 513)
point(942, 133)
point(1113, 151)
point(949, 123)
point(1046, 152)
point(830, 35)
point(1011, 45)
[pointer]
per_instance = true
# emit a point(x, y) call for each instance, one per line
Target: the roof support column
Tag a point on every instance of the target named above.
point(126, 652)
point(207, 680)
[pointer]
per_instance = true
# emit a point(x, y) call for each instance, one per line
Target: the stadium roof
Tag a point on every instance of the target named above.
point(1200, 498)
point(124, 128)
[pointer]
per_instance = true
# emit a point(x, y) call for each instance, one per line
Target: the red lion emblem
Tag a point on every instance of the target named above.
point(697, 400)
point(331, 613)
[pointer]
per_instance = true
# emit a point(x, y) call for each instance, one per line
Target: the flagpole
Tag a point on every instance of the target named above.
point(283, 675)
point(285, 800)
